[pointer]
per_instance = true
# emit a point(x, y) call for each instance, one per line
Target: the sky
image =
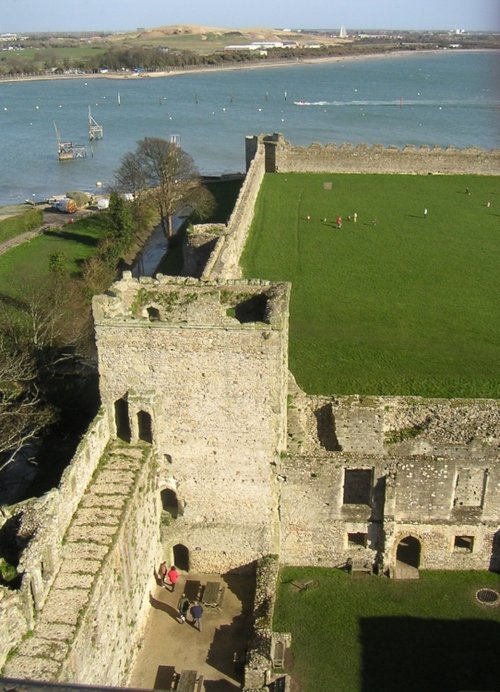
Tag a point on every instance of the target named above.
point(127, 15)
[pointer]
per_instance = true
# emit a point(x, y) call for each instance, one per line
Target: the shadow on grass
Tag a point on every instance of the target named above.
point(419, 654)
point(76, 237)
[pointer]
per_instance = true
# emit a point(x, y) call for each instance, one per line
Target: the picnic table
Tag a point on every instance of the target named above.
point(190, 681)
point(212, 594)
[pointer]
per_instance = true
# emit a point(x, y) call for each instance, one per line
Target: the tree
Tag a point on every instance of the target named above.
point(23, 413)
point(165, 174)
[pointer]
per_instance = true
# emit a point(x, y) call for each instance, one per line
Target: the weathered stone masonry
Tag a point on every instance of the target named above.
point(217, 458)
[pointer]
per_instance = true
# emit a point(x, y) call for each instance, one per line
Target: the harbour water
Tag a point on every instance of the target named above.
point(439, 98)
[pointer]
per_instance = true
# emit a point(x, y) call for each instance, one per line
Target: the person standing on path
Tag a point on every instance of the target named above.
point(339, 222)
point(425, 213)
point(162, 573)
point(197, 613)
point(183, 607)
point(172, 576)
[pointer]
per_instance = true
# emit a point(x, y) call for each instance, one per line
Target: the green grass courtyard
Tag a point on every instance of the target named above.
point(396, 303)
point(380, 635)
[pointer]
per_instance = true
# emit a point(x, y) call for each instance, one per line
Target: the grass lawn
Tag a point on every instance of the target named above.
point(408, 305)
point(29, 263)
point(380, 635)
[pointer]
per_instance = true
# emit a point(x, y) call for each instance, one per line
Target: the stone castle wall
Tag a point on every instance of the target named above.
point(224, 260)
point(434, 468)
point(361, 158)
point(102, 651)
point(46, 520)
point(211, 370)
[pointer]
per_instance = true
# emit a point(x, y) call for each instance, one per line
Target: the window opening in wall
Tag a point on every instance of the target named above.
point(122, 421)
point(325, 422)
point(357, 486)
point(358, 540)
point(145, 425)
point(251, 310)
point(169, 502)
point(153, 314)
point(463, 544)
point(181, 557)
point(409, 551)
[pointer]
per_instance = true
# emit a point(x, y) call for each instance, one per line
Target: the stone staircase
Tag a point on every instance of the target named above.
point(86, 545)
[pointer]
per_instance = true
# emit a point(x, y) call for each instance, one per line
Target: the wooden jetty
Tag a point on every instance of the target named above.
point(66, 151)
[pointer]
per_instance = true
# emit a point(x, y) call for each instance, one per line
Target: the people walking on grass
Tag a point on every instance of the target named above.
point(183, 607)
point(197, 613)
point(339, 222)
point(425, 213)
point(355, 216)
point(172, 577)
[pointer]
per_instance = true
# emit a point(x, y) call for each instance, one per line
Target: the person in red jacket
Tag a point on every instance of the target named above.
point(172, 576)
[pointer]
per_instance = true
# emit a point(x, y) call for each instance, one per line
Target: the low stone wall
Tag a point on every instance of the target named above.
point(361, 158)
point(259, 667)
point(46, 520)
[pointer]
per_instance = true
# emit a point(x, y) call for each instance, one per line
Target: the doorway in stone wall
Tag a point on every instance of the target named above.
point(181, 557)
point(408, 551)
point(145, 426)
point(122, 420)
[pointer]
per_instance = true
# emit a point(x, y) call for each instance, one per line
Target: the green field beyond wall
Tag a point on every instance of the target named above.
point(396, 303)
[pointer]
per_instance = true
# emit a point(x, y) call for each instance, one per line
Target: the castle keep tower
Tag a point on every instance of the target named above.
point(199, 369)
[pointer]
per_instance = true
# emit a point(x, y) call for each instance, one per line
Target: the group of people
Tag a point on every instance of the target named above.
point(169, 578)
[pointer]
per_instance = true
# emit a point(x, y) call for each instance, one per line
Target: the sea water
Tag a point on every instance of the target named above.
point(439, 98)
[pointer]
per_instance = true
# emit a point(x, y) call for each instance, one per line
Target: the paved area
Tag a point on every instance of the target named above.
point(169, 646)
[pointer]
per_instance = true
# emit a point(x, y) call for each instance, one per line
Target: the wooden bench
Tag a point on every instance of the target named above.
point(360, 564)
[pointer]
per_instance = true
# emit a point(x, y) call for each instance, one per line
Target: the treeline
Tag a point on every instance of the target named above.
point(161, 59)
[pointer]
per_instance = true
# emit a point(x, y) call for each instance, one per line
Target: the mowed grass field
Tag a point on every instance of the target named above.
point(396, 303)
point(380, 635)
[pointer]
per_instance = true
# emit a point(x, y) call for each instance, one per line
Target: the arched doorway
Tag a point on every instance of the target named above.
point(408, 551)
point(145, 426)
point(181, 557)
point(169, 502)
point(122, 420)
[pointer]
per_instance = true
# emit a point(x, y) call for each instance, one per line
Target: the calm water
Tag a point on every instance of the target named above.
point(444, 98)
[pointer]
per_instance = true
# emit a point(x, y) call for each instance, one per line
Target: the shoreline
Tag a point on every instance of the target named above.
point(247, 66)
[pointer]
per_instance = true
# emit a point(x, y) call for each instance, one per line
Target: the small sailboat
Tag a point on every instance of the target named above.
point(119, 99)
point(96, 131)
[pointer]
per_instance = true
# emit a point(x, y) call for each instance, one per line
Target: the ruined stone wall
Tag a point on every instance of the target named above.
point(213, 377)
point(111, 626)
point(435, 475)
point(47, 520)
point(361, 158)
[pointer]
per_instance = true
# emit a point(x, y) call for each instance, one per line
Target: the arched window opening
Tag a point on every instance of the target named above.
point(181, 557)
point(122, 420)
point(169, 502)
point(145, 426)
point(153, 314)
point(408, 551)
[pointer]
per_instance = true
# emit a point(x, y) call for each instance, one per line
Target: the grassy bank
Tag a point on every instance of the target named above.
point(392, 304)
point(20, 223)
point(372, 634)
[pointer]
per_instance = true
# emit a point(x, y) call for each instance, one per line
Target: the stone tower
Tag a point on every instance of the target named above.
point(199, 369)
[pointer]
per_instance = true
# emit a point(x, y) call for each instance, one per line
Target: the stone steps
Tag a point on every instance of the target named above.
point(86, 545)
point(404, 571)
